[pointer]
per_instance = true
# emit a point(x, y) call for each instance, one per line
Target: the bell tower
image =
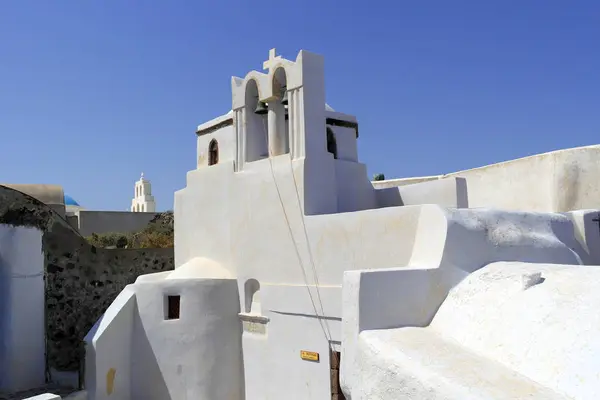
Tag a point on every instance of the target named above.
point(281, 113)
point(143, 201)
point(284, 107)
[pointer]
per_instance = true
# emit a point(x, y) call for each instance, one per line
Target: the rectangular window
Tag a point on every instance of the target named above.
point(173, 304)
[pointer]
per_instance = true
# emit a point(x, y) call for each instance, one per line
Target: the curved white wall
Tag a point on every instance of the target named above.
point(542, 326)
point(108, 350)
point(448, 246)
point(197, 356)
point(22, 325)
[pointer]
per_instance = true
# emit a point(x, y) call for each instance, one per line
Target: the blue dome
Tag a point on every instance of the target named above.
point(69, 201)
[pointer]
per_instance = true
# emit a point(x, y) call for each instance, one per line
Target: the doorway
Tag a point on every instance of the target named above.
point(334, 366)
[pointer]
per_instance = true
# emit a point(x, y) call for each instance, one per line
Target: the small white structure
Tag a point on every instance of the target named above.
point(22, 312)
point(143, 201)
point(292, 259)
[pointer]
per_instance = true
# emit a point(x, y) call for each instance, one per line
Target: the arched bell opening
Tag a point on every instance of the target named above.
point(213, 152)
point(256, 124)
point(332, 143)
point(278, 122)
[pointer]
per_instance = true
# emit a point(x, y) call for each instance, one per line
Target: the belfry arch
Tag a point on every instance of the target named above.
point(256, 124)
point(278, 122)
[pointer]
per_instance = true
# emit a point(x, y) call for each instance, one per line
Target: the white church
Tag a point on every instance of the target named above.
point(298, 278)
point(143, 201)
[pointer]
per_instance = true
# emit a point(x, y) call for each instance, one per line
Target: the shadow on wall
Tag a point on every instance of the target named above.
point(81, 280)
point(494, 235)
point(587, 231)
point(147, 363)
point(446, 192)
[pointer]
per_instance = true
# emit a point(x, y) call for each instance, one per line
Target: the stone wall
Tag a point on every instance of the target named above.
point(100, 222)
point(81, 280)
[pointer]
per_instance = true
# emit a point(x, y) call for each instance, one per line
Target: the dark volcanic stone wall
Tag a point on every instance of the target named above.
point(81, 280)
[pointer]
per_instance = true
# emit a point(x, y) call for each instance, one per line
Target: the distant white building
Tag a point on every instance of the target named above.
point(143, 201)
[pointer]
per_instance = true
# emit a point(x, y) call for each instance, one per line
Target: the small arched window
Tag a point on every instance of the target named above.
point(331, 143)
point(252, 294)
point(213, 152)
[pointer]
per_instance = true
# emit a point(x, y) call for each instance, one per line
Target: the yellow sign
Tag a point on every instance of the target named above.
point(309, 355)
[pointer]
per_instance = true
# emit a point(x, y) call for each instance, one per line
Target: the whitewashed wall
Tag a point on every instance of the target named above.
point(225, 138)
point(22, 323)
point(558, 181)
point(108, 350)
point(197, 356)
point(410, 296)
point(357, 196)
point(135, 352)
point(346, 141)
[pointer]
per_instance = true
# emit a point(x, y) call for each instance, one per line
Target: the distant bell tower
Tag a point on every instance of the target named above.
point(143, 201)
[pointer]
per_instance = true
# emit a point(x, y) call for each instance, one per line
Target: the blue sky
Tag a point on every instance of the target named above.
point(92, 93)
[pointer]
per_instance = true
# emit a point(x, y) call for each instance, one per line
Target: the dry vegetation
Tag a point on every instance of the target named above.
point(157, 234)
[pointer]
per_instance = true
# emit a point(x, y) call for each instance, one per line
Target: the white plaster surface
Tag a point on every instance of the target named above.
point(586, 231)
point(449, 192)
point(264, 245)
point(413, 363)
point(347, 144)
point(226, 139)
point(533, 344)
point(197, 356)
point(108, 348)
point(396, 323)
point(200, 267)
point(22, 323)
point(547, 331)
point(558, 181)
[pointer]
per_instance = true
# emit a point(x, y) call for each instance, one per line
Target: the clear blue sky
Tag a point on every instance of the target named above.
point(94, 92)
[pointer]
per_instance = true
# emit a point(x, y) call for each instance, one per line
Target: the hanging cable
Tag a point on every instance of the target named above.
point(310, 253)
point(319, 318)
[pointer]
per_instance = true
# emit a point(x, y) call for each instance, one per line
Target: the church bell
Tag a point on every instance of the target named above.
point(284, 99)
point(261, 108)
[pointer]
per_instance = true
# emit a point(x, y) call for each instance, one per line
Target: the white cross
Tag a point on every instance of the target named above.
point(272, 61)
